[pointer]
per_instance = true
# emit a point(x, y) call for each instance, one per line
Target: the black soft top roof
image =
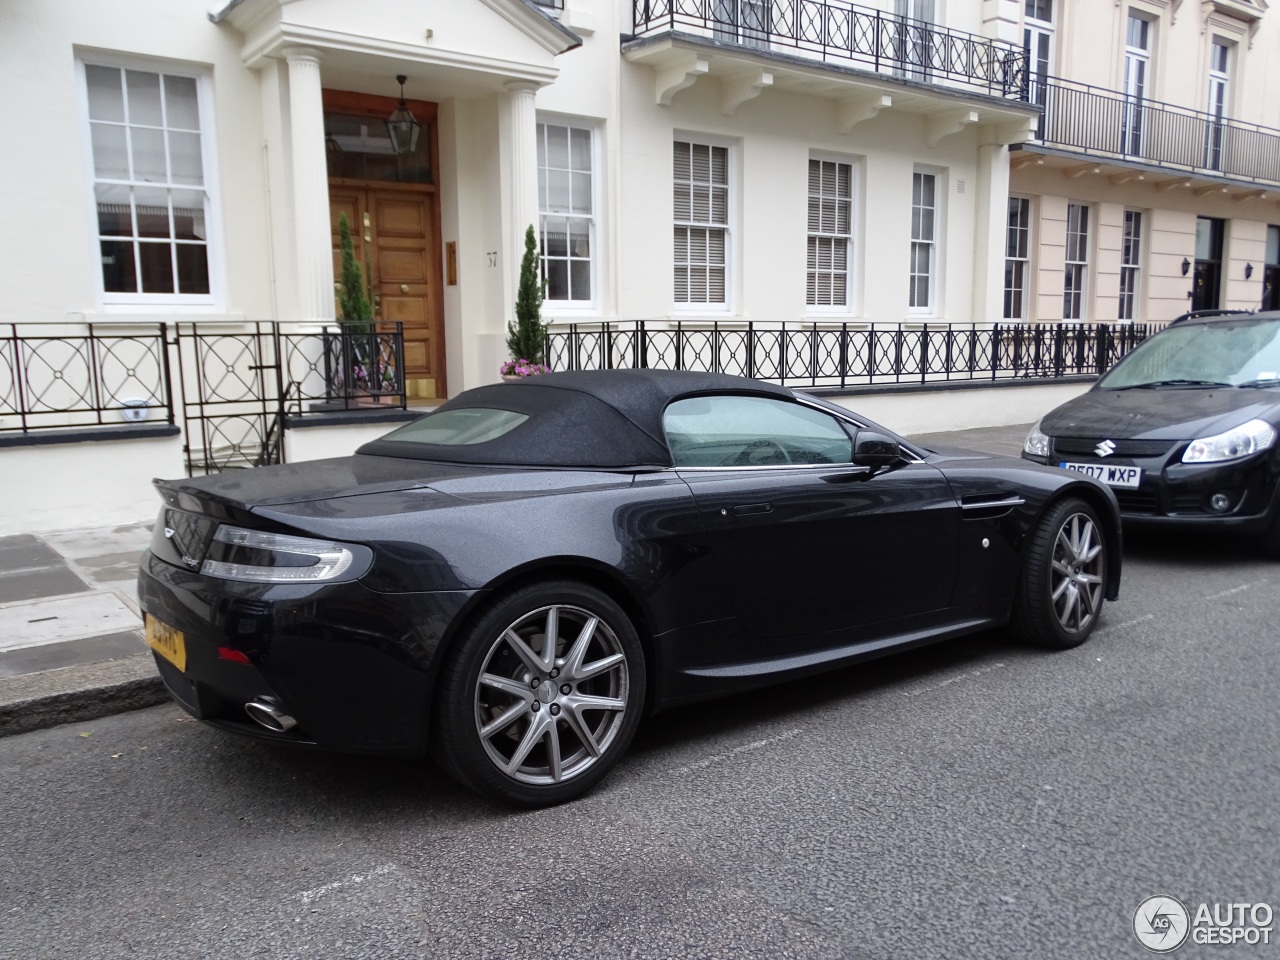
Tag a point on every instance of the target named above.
point(591, 418)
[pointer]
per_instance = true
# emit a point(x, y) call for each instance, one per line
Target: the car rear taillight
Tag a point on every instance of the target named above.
point(258, 557)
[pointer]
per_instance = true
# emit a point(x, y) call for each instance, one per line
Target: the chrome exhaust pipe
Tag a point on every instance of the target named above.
point(267, 713)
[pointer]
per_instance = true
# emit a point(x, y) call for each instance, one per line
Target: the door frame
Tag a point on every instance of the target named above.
point(426, 112)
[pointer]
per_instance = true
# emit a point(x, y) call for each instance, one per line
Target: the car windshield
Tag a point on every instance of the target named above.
point(1236, 353)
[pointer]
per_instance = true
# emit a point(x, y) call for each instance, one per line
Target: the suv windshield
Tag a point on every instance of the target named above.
point(1236, 353)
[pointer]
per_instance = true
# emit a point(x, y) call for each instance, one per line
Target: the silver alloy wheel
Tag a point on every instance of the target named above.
point(551, 695)
point(1075, 580)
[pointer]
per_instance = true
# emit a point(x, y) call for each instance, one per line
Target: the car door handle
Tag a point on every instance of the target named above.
point(746, 509)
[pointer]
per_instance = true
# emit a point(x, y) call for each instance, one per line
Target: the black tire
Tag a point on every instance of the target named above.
point(1066, 620)
point(540, 695)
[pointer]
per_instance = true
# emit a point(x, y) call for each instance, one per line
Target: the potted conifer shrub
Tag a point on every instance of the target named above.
point(527, 333)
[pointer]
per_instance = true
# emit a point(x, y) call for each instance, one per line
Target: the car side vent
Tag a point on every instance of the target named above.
point(1124, 448)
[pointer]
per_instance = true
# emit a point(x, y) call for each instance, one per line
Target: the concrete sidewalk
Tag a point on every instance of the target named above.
point(71, 645)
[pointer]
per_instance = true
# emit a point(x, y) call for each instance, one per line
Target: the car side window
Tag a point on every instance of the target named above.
point(738, 431)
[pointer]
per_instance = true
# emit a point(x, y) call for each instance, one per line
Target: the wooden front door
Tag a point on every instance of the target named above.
point(390, 194)
point(395, 229)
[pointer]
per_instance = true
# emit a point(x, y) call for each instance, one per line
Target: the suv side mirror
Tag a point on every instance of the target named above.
point(876, 450)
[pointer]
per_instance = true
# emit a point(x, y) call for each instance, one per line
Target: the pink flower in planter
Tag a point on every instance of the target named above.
point(521, 367)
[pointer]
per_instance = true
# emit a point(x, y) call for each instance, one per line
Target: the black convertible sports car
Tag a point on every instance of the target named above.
point(515, 579)
point(1184, 428)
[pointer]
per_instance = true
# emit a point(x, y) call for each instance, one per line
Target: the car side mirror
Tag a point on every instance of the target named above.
point(876, 450)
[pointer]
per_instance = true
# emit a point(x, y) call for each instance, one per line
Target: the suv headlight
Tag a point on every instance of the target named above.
point(1036, 444)
point(1239, 442)
point(259, 557)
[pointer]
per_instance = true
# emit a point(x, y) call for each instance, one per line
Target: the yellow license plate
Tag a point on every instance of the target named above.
point(167, 641)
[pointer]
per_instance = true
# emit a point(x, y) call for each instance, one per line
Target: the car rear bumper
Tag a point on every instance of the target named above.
point(352, 666)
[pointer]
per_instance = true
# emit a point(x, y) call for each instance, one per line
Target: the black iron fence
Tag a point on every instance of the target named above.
point(847, 354)
point(1105, 122)
point(82, 375)
point(830, 30)
point(236, 384)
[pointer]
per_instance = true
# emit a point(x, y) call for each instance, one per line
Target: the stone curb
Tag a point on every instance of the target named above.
point(79, 693)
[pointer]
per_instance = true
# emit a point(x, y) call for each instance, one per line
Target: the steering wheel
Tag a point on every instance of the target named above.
point(759, 453)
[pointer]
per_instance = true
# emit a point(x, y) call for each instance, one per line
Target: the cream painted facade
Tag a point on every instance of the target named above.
point(924, 157)
point(496, 69)
point(1159, 133)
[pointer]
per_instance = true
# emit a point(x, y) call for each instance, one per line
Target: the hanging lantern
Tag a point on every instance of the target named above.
point(402, 125)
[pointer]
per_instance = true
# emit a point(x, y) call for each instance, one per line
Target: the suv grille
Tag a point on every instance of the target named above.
point(1124, 448)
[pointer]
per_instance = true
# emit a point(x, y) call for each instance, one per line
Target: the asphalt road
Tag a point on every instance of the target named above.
point(974, 800)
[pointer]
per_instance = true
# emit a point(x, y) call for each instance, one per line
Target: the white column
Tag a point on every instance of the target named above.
point(520, 136)
point(990, 221)
point(313, 246)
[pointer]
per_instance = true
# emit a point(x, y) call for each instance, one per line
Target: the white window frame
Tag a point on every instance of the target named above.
point(1025, 259)
point(1136, 74)
point(936, 243)
point(853, 238)
point(733, 174)
point(594, 230)
point(1036, 32)
point(1220, 77)
point(130, 303)
point(1083, 264)
point(1219, 100)
point(1131, 264)
point(918, 11)
point(744, 22)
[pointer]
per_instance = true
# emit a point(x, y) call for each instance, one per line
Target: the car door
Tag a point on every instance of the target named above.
point(808, 544)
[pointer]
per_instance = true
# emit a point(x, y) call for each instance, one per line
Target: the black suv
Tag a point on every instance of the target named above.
point(1184, 429)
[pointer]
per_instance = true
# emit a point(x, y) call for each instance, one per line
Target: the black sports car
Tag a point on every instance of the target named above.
point(513, 580)
point(1184, 428)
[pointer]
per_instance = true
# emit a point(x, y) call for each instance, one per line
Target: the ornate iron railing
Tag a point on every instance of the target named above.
point(831, 30)
point(240, 384)
point(847, 354)
point(236, 383)
point(1107, 123)
point(81, 375)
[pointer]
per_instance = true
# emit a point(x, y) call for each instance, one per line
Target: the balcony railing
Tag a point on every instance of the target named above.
point(846, 354)
point(829, 30)
point(1107, 123)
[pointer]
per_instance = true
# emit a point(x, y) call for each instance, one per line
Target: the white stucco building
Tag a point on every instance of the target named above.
point(709, 163)
point(255, 118)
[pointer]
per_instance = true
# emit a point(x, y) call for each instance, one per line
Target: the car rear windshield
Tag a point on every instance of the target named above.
point(1228, 352)
point(459, 427)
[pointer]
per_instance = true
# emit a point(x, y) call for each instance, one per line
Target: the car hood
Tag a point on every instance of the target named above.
point(1159, 414)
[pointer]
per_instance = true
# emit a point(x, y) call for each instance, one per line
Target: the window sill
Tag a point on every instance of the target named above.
point(57, 435)
point(134, 316)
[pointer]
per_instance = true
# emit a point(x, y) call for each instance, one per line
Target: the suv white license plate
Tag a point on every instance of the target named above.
point(1114, 476)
